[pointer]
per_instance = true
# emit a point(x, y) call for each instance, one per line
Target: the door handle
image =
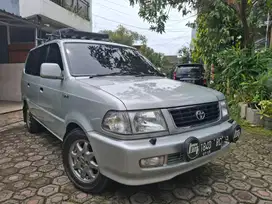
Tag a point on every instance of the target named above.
point(41, 89)
point(65, 95)
point(28, 85)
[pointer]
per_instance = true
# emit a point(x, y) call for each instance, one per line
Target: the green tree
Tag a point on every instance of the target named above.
point(124, 36)
point(184, 54)
point(127, 37)
point(218, 28)
point(248, 12)
point(158, 59)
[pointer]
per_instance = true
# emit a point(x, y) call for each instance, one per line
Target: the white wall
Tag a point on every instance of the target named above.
point(55, 12)
point(29, 8)
point(10, 81)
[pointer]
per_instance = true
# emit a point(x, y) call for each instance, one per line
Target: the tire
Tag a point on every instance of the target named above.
point(91, 184)
point(32, 125)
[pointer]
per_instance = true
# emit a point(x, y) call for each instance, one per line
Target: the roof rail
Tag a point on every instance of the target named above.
point(71, 33)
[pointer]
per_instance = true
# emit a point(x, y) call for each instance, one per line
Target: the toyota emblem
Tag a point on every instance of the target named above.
point(200, 115)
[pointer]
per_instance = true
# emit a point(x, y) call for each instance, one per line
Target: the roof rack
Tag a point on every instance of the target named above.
point(71, 33)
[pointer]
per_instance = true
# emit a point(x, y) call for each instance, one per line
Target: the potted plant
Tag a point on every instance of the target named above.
point(266, 113)
point(255, 91)
point(250, 109)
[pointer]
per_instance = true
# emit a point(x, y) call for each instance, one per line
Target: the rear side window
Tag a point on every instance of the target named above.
point(35, 59)
point(54, 55)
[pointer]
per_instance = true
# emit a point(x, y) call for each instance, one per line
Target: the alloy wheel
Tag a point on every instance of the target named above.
point(82, 161)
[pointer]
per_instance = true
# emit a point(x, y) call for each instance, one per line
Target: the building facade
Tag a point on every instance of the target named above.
point(23, 25)
point(54, 14)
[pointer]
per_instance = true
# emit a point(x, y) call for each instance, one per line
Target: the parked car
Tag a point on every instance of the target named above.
point(117, 117)
point(191, 73)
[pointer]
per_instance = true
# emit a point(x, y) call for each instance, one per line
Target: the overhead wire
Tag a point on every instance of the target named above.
point(120, 12)
point(167, 42)
point(113, 9)
point(142, 28)
point(116, 3)
point(171, 20)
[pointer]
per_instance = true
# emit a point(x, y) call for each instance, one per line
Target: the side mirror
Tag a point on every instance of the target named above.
point(51, 71)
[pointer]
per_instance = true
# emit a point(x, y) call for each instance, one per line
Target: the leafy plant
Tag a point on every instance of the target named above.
point(257, 88)
point(249, 13)
point(218, 28)
point(244, 74)
point(266, 108)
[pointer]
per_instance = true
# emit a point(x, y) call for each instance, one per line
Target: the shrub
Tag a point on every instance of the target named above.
point(266, 108)
point(244, 75)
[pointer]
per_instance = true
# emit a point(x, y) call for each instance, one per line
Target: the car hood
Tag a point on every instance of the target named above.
point(153, 92)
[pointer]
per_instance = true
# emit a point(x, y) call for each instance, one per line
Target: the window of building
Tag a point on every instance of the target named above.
point(80, 7)
point(22, 35)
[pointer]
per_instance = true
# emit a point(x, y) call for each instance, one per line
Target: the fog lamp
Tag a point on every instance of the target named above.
point(152, 162)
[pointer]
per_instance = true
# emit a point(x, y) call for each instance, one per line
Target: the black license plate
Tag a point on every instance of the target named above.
point(210, 146)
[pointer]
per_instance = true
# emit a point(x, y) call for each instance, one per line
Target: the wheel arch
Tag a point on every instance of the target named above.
point(76, 120)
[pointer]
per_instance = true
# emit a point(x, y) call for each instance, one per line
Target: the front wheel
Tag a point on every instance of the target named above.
point(80, 163)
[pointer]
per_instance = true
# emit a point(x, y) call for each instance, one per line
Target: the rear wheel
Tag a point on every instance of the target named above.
point(80, 163)
point(32, 125)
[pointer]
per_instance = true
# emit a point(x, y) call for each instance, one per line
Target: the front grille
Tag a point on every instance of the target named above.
point(186, 116)
point(174, 158)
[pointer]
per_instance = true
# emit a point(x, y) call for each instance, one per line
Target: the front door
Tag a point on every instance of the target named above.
point(31, 79)
point(50, 95)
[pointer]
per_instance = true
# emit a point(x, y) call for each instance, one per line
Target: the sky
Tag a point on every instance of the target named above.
point(108, 14)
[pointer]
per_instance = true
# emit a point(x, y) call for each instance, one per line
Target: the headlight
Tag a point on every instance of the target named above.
point(135, 122)
point(117, 122)
point(224, 109)
point(147, 121)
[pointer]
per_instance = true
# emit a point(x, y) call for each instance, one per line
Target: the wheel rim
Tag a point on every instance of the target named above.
point(28, 121)
point(82, 161)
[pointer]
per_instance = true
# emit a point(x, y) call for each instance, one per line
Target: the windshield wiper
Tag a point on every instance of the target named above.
point(122, 73)
point(109, 74)
point(115, 74)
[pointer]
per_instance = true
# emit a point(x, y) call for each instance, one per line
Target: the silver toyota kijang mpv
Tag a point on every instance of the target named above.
point(118, 117)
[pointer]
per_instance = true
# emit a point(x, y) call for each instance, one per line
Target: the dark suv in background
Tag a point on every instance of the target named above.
point(191, 73)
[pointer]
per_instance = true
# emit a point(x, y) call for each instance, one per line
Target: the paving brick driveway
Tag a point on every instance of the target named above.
point(31, 171)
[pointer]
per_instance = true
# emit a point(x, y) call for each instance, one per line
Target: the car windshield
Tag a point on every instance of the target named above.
point(89, 59)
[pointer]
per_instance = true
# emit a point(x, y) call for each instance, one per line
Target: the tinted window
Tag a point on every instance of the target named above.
point(20, 34)
point(34, 61)
point(189, 70)
point(90, 59)
point(54, 55)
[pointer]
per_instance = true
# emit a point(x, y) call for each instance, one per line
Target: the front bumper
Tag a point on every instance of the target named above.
point(119, 159)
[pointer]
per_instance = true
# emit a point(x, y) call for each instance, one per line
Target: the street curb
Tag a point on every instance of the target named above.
point(11, 126)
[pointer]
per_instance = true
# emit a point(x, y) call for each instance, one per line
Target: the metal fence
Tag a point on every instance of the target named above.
point(80, 7)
